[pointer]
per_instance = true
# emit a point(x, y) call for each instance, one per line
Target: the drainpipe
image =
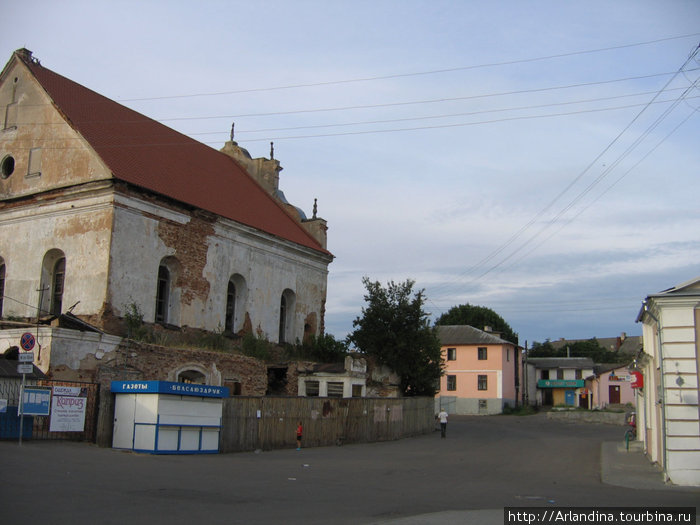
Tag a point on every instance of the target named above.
point(663, 388)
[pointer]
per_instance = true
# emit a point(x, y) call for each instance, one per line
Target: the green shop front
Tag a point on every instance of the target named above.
point(570, 392)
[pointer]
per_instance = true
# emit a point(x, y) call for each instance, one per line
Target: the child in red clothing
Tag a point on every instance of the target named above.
point(300, 431)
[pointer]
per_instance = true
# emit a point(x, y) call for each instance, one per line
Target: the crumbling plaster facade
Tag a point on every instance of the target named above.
point(59, 200)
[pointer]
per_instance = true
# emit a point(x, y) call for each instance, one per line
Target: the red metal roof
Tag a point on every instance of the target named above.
point(143, 152)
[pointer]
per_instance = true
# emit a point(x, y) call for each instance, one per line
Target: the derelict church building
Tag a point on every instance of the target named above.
point(102, 208)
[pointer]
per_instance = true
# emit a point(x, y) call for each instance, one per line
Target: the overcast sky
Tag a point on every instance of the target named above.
point(538, 158)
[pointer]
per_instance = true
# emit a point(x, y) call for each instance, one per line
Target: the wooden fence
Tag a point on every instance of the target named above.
point(267, 423)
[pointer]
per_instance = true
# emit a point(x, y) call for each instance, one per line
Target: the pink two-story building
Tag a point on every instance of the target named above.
point(482, 371)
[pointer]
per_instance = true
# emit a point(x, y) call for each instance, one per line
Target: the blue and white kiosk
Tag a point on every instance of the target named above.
point(162, 417)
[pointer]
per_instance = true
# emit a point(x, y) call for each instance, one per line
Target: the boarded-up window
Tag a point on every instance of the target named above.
point(356, 390)
point(311, 388)
point(34, 162)
point(11, 116)
point(335, 389)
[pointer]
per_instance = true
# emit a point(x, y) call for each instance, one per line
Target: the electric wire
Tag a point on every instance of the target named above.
point(529, 224)
point(413, 74)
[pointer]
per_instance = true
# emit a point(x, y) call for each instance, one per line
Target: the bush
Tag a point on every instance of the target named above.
point(254, 346)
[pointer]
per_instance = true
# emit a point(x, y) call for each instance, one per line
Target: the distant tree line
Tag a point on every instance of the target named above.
point(589, 348)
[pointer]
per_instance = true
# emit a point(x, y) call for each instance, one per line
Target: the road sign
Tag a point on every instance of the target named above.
point(25, 368)
point(26, 357)
point(27, 341)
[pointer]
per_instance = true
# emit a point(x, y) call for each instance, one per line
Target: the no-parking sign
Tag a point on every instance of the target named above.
point(27, 341)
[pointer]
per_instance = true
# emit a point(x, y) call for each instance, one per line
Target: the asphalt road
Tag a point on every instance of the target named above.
point(484, 464)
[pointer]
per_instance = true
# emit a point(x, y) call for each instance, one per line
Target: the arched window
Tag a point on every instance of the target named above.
point(2, 284)
point(230, 307)
point(283, 319)
point(52, 282)
point(168, 294)
point(287, 307)
point(191, 376)
point(236, 297)
point(162, 294)
point(59, 275)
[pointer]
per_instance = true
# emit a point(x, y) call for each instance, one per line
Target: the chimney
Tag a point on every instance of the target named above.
point(488, 329)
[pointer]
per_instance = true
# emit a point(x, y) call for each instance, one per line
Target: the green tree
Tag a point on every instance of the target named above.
point(478, 317)
point(589, 348)
point(395, 330)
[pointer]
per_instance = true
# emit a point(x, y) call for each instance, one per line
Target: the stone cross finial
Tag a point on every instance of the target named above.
point(315, 207)
point(272, 150)
point(233, 124)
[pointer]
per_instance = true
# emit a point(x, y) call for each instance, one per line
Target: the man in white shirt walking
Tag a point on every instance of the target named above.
point(442, 416)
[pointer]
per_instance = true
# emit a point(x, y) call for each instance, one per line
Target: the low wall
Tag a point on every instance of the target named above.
point(588, 416)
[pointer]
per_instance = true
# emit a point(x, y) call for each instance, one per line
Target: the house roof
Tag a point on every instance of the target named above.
point(625, 344)
point(689, 288)
point(561, 362)
point(147, 154)
point(467, 335)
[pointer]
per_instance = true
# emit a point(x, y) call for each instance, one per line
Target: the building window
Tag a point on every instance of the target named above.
point(34, 168)
point(192, 377)
point(234, 387)
point(451, 354)
point(59, 274)
point(283, 319)
point(544, 374)
point(162, 292)
point(356, 390)
point(335, 389)
point(2, 285)
point(508, 354)
point(579, 374)
point(7, 167)
point(11, 116)
point(287, 307)
point(483, 382)
point(311, 388)
point(483, 354)
point(451, 383)
point(230, 307)
point(560, 374)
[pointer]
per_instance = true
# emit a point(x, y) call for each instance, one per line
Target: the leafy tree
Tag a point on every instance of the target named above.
point(589, 348)
point(395, 330)
point(324, 348)
point(478, 317)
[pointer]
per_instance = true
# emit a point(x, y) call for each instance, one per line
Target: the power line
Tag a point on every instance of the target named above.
point(33, 143)
point(412, 74)
point(418, 102)
point(527, 226)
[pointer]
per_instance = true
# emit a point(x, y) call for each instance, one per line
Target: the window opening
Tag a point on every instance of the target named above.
point(162, 294)
point(283, 318)
point(2, 286)
point(335, 389)
point(7, 167)
point(451, 354)
point(230, 307)
point(59, 273)
point(483, 382)
point(451, 383)
point(312, 388)
point(483, 354)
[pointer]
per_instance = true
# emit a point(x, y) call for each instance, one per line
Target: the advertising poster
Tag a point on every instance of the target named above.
point(68, 409)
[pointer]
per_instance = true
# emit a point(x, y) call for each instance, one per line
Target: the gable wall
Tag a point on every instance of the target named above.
point(60, 157)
